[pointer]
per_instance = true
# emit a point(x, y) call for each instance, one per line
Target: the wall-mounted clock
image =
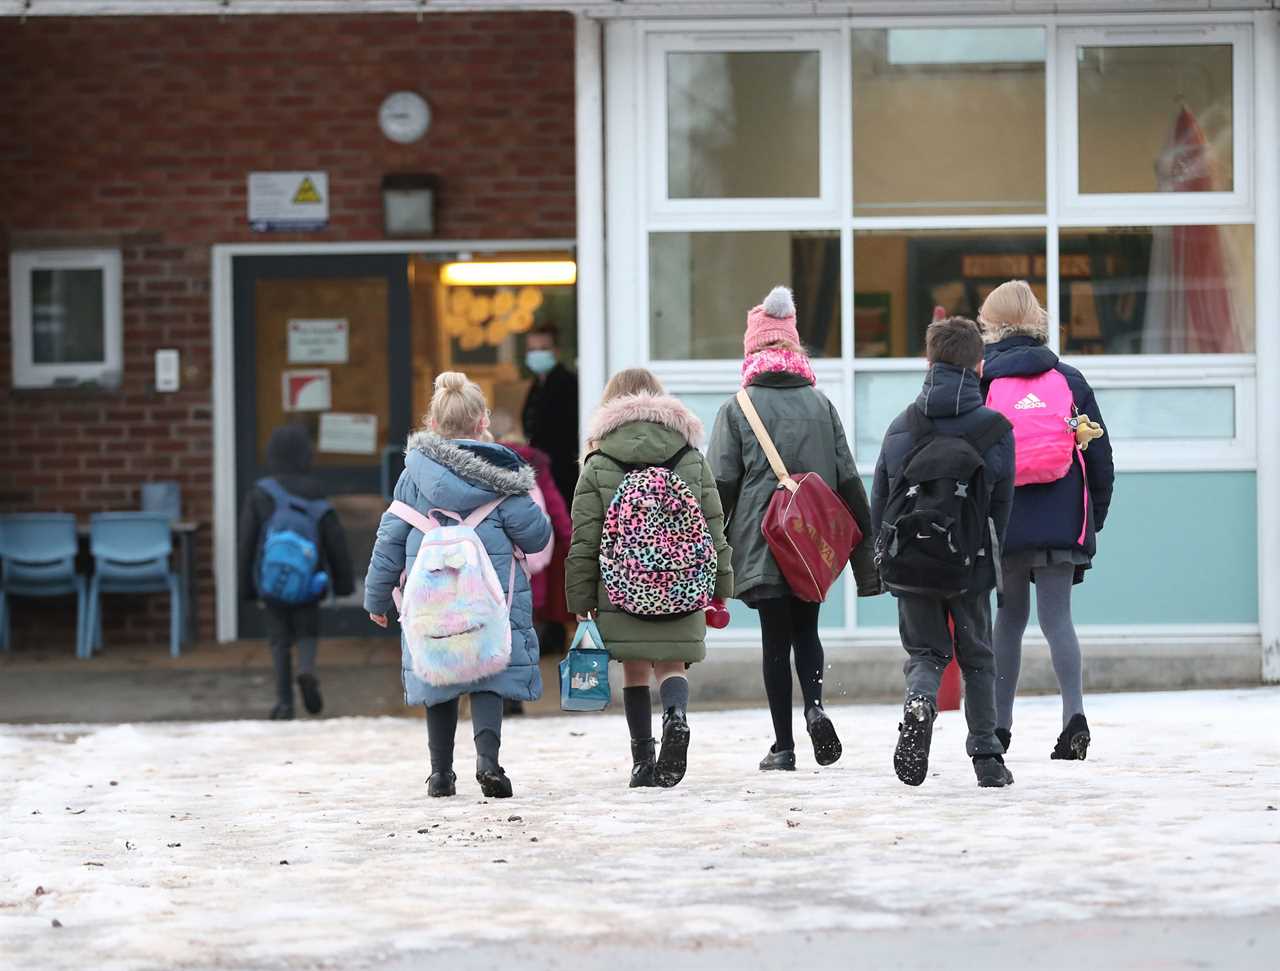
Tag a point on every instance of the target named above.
point(404, 117)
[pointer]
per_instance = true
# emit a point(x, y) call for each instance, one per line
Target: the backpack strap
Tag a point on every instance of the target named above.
point(766, 443)
point(402, 510)
point(671, 463)
point(985, 436)
point(624, 466)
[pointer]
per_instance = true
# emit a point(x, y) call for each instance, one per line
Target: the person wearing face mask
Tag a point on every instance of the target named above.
point(551, 409)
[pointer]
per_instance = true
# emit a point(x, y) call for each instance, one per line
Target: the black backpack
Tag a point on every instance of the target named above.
point(936, 530)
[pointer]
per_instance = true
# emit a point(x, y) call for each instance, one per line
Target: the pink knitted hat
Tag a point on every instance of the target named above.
point(774, 320)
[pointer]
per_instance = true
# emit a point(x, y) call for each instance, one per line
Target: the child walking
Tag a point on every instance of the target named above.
point(448, 467)
point(941, 498)
point(809, 436)
point(1057, 511)
point(638, 426)
point(291, 500)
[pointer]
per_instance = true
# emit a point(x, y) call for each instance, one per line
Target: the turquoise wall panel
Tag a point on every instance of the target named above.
point(1178, 548)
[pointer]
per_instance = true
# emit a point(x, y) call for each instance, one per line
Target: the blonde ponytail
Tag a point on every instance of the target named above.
point(458, 408)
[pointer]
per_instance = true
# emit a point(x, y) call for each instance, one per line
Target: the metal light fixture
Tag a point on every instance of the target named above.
point(409, 205)
point(513, 273)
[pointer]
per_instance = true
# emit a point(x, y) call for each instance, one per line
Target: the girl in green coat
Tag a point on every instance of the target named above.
point(637, 424)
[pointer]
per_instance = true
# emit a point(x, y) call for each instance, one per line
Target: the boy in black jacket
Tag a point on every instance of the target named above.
point(289, 458)
point(950, 406)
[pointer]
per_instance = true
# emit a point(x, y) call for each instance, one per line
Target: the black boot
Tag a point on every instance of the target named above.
point(643, 771)
point(310, 689)
point(991, 771)
point(779, 761)
point(915, 734)
point(492, 778)
point(674, 756)
point(442, 784)
point(281, 713)
point(826, 744)
point(1005, 736)
point(1073, 743)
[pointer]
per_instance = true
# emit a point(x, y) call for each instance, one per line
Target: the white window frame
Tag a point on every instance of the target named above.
point(29, 374)
point(745, 38)
point(1154, 207)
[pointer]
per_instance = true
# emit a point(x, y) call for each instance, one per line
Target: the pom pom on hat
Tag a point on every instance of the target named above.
point(772, 322)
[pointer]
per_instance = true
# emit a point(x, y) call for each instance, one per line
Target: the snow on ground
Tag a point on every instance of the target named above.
point(164, 846)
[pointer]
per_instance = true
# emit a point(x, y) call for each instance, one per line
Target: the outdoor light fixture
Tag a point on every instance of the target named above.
point(409, 205)
point(546, 273)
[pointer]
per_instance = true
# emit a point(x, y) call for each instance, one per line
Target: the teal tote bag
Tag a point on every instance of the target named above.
point(584, 673)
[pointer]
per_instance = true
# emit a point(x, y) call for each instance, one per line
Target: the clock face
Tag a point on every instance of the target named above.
point(404, 117)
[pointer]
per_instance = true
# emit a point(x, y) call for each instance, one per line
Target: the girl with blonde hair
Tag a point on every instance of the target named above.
point(448, 466)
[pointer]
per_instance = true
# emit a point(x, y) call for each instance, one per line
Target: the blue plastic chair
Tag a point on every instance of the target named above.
point(131, 555)
point(38, 559)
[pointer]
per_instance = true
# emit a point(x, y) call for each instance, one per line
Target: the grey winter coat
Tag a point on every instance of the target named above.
point(461, 476)
point(809, 436)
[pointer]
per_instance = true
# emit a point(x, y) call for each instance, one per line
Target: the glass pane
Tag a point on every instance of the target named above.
point(67, 318)
point(1167, 290)
point(742, 124)
point(1155, 119)
point(1168, 412)
point(701, 286)
point(899, 277)
point(931, 107)
point(878, 397)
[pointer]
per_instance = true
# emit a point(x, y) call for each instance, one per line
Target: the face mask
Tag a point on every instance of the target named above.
point(540, 362)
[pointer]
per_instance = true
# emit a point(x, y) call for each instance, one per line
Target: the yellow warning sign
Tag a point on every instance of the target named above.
point(306, 192)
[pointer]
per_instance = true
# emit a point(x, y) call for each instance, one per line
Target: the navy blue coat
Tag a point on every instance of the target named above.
point(1048, 516)
point(951, 397)
point(461, 476)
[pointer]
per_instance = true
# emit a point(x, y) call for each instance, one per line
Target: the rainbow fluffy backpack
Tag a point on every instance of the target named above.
point(455, 618)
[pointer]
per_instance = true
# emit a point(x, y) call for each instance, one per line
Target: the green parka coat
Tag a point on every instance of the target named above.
point(640, 429)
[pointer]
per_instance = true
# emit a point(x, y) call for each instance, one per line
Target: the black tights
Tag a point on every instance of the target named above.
point(788, 624)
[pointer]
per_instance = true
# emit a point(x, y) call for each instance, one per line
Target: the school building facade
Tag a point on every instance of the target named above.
point(319, 206)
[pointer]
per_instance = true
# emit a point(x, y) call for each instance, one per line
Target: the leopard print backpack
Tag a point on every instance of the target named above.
point(657, 558)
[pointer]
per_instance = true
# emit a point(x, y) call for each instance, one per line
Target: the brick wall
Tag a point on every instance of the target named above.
point(139, 133)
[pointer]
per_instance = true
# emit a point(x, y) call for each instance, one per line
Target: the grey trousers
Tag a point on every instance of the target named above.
point(922, 623)
point(287, 626)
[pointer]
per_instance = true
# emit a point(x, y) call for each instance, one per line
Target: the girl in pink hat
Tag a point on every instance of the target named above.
point(807, 431)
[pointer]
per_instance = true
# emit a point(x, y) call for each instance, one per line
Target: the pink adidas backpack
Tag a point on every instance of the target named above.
point(1039, 407)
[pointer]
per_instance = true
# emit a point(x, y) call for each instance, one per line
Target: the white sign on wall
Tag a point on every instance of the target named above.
point(306, 390)
point(318, 341)
point(351, 434)
point(289, 201)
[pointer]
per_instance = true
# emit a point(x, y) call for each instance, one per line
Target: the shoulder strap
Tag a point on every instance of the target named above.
point(402, 510)
point(274, 489)
point(482, 513)
point(985, 436)
point(766, 443)
point(624, 466)
point(671, 463)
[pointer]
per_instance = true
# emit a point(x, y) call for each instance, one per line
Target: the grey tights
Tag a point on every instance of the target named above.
point(1053, 607)
point(442, 725)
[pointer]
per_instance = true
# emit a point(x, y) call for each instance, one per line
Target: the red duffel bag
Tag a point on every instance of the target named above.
point(809, 529)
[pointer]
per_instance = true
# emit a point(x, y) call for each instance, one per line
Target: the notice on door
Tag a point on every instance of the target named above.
point(308, 389)
point(318, 341)
point(288, 201)
point(349, 434)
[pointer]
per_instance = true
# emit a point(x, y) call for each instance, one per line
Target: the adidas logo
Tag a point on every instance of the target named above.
point(1030, 401)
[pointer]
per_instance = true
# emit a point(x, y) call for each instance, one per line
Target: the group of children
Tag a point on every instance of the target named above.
point(975, 489)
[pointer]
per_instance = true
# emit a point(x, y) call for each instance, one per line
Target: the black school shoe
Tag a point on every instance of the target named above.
point(492, 778)
point(442, 785)
point(1005, 736)
point(826, 744)
point(779, 761)
point(674, 757)
point(310, 689)
point(915, 735)
point(991, 771)
point(281, 713)
point(1073, 743)
point(644, 764)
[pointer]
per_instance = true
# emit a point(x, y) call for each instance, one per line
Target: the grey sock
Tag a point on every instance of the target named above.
point(1053, 607)
point(637, 703)
point(486, 722)
point(674, 693)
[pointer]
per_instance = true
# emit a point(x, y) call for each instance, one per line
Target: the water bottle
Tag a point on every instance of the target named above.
point(319, 584)
point(717, 614)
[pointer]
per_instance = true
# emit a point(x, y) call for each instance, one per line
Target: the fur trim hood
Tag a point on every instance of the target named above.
point(994, 333)
point(495, 467)
point(658, 409)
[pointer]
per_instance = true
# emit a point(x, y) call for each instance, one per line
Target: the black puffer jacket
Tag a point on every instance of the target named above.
point(951, 398)
point(289, 458)
point(1049, 516)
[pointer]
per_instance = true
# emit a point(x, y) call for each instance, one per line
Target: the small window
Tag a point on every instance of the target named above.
point(66, 317)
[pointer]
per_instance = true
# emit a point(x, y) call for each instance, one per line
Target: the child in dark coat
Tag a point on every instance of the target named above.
point(289, 458)
point(950, 404)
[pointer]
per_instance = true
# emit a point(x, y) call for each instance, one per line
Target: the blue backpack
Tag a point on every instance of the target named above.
point(290, 557)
